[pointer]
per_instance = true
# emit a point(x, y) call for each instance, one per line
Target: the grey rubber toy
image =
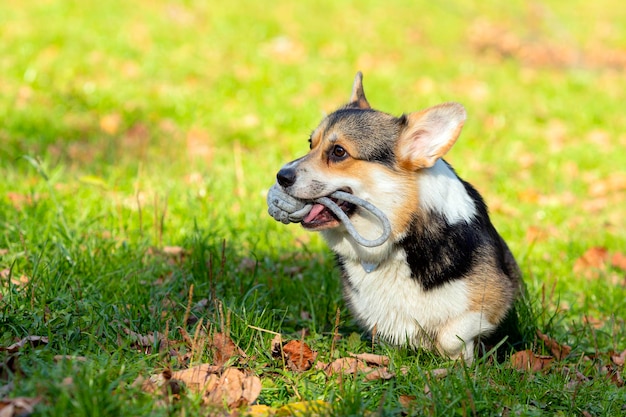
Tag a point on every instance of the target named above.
point(287, 209)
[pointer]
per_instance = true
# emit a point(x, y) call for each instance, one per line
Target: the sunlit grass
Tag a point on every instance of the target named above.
point(130, 126)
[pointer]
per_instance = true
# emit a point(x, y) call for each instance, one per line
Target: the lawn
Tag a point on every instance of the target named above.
point(137, 144)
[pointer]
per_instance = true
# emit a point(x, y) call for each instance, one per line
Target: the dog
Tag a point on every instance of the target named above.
point(445, 278)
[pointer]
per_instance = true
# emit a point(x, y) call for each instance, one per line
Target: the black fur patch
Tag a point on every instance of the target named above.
point(438, 252)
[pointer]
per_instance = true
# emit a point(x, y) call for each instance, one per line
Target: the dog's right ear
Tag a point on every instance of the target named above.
point(429, 134)
point(358, 99)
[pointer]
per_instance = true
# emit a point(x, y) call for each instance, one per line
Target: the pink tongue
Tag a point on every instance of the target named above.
point(315, 210)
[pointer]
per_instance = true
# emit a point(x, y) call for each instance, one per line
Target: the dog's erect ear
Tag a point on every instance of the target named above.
point(429, 134)
point(358, 99)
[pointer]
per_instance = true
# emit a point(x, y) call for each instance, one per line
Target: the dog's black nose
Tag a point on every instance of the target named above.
point(286, 177)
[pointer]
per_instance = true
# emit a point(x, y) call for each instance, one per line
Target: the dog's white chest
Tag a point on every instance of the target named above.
point(388, 299)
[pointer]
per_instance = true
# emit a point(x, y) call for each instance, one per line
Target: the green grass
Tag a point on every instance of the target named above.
point(130, 126)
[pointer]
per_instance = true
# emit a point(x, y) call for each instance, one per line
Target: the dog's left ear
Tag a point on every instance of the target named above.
point(429, 134)
point(357, 99)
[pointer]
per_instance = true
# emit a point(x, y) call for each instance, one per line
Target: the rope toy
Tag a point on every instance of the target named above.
point(287, 209)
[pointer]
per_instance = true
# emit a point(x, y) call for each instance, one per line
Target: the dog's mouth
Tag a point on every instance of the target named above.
point(320, 217)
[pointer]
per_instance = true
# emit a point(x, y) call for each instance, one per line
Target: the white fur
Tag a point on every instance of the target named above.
point(441, 191)
point(393, 302)
point(457, 336)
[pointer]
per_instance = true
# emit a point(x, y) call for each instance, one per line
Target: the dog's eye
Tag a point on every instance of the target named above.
point(339, 152)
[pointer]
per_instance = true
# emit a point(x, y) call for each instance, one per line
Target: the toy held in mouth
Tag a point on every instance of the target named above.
point(287, 209)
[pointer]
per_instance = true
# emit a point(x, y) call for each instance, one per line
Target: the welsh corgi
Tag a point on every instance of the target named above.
point(445, 277)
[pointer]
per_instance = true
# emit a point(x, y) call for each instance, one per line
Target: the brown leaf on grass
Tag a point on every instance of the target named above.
point(146, 343)
point(497, 40)
point(175, 251)
point(575, 375)
point(32, 340)
point(19, 406)
point(613, 375)
point(558, 350)
point(618, 260)
point(298, 355)
point(19, 281)
point(161, 384)
point(198, 379)
point(619, 359)
point(592, 261)
point(235, 389)
point(247, 264)
point(407, 401)
point(354, 366)
point(199, 144)
point(110, 123)
point(230, 387)
point(173, 254)
point(371, 359)
point(3, 251)
point(594, 322)
point(19, 201)
point(224, 349)
point(438, 373)
point(527, 361)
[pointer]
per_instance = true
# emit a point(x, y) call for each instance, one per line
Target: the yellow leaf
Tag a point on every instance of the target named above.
point(304, 408)
point(260, 410)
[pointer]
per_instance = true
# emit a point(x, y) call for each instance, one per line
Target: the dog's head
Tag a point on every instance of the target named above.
point(372, 155)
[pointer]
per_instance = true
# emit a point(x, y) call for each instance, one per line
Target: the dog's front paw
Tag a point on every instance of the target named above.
point(285, 208)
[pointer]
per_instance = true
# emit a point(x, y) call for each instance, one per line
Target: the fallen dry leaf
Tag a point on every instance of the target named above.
point(558, 350)
point(161, 384)
point(371, 359)
point(146, 342)
point(619, 359)
point(354, 366)
point(613, 375)
point(230, 387)
point(173, 254)
point(594, 322)
point(198, 378)
point(19, 281)
point(175, 251)
point(224, 349)
point(110, 123)
point(438, 373)
point(406, 401)
point(298, 355)
point(199, 144)
point(235, 389)
point(526, 360)
point(618, 260)
point(576, 377)
point(19, 406)
point(591, 261)
point(497, 40)
point(33, 340)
